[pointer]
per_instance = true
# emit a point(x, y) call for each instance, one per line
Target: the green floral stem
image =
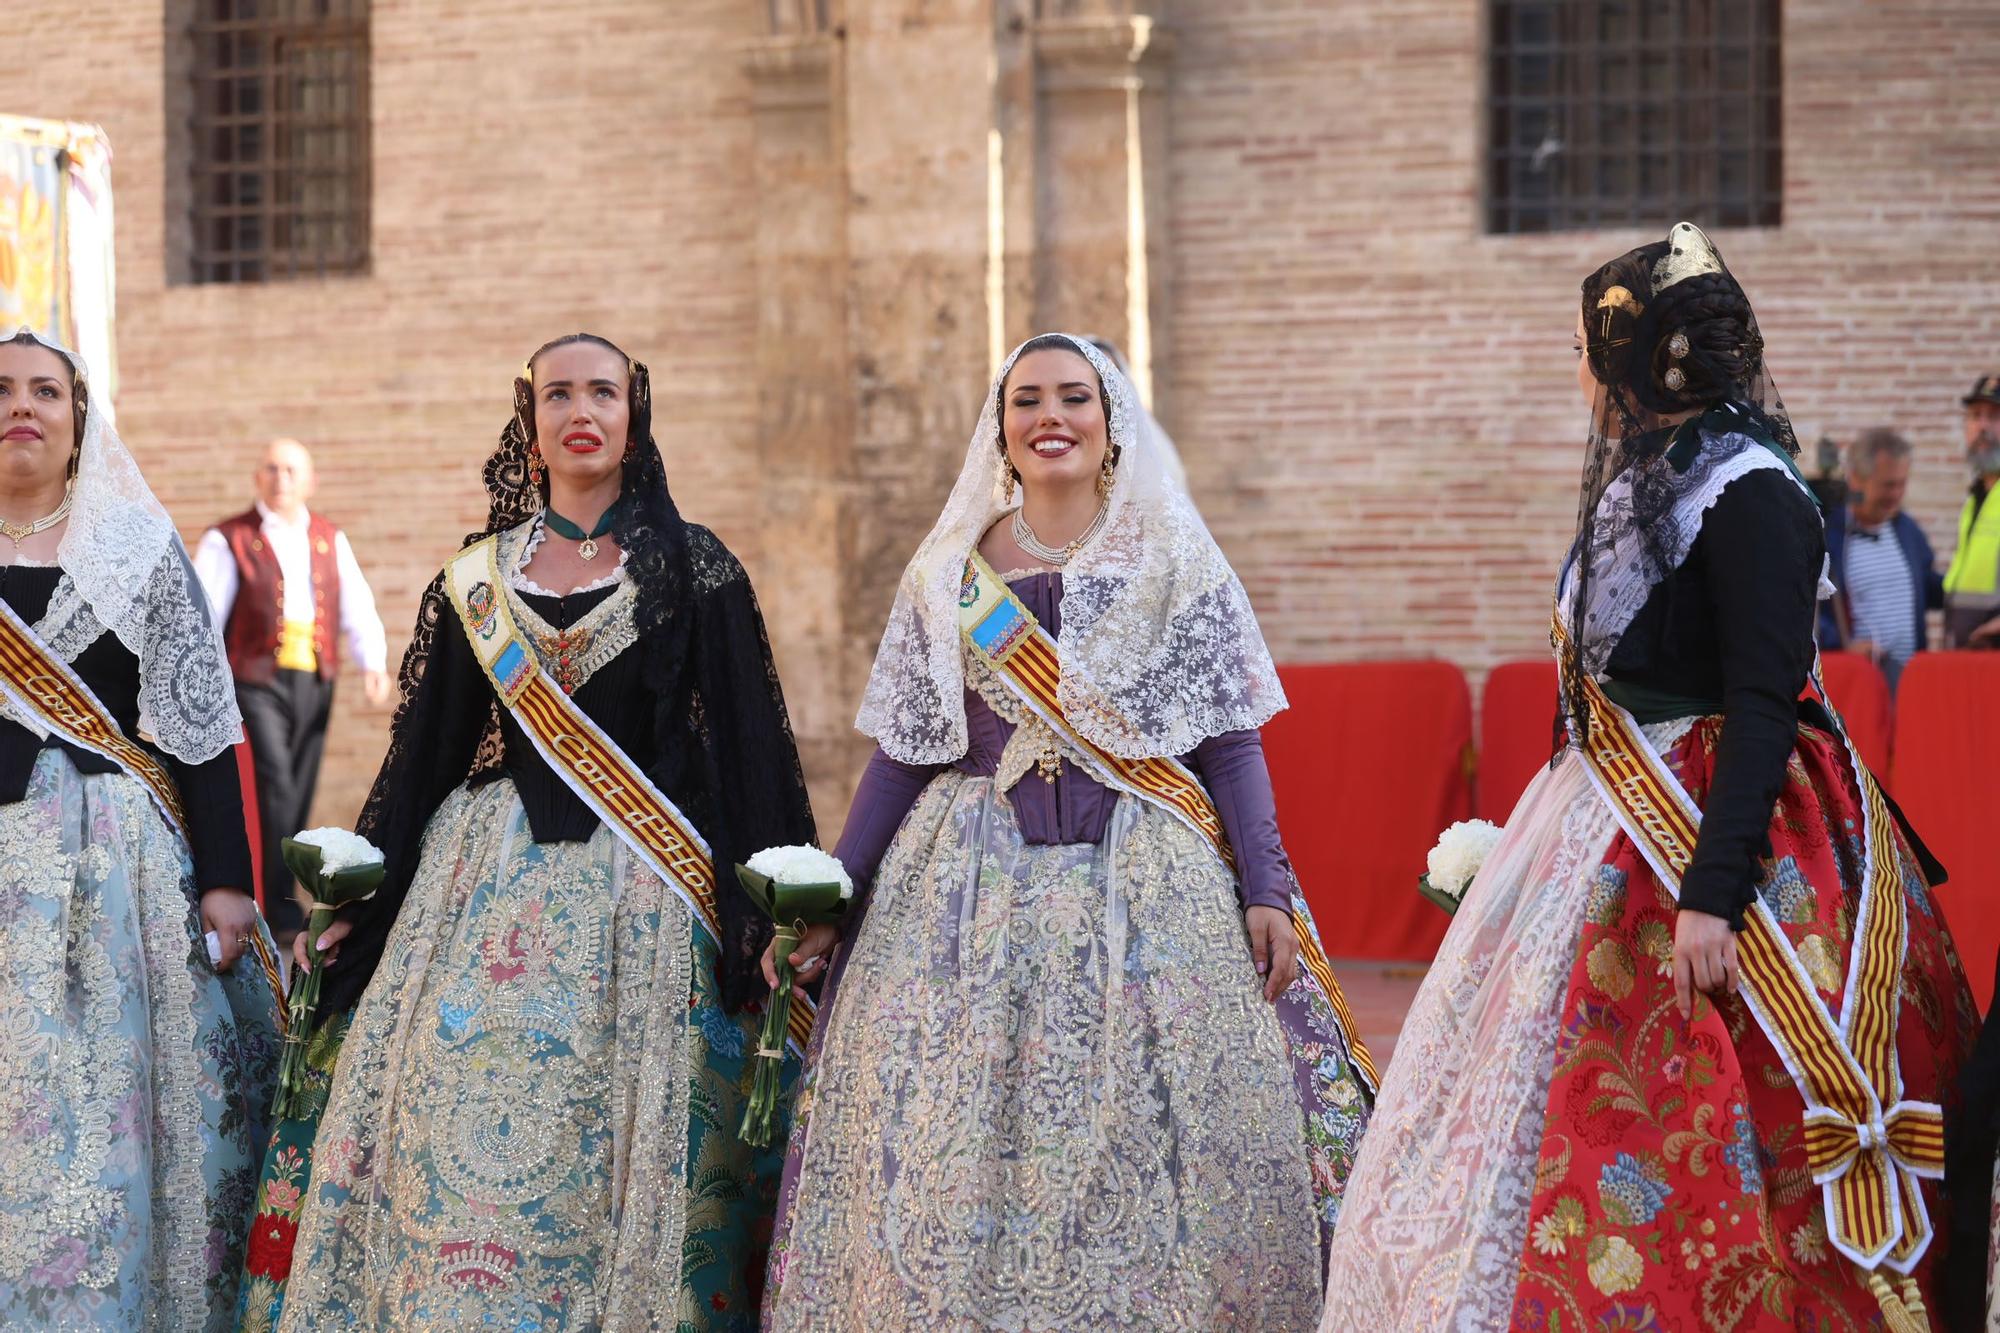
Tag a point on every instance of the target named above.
point(300, 1008)
point(762, 1109)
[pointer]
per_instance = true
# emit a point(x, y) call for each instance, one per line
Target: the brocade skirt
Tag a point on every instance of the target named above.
point(1556, 1148)
point(134, 1078)
point(1048, 1093)
point(532, 1122)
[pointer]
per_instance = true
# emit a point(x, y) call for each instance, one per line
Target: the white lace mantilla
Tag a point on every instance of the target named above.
point(126, 562)
point(1159, 647)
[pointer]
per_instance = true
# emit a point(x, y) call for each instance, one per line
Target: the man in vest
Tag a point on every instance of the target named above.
point(283, 581)
point(1972, 584)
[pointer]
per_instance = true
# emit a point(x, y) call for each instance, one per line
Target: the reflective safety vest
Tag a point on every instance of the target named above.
point(1975, 565)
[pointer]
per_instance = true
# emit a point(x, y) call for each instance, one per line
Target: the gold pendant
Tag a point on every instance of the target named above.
point(588, 548)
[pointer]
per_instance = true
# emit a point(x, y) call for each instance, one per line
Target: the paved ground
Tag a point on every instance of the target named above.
point(1380, 994)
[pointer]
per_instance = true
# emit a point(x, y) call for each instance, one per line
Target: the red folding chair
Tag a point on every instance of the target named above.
point(1860, 694)
point(1370, 763)
point(1947, 735)
point(1517, 715)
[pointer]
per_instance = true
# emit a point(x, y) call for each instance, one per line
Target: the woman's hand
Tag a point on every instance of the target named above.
point(329, 944)
point(1704, 958)
point(808, 960)
point(233, 918)
point(1274, 945)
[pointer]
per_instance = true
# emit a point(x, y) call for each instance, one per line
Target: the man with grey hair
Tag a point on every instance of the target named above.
point(1882, 564)
point(286, 589)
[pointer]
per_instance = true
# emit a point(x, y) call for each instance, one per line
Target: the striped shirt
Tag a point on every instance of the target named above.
point(1880, 592)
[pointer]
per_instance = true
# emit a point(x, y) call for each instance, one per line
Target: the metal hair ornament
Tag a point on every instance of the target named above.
point(1677, 347)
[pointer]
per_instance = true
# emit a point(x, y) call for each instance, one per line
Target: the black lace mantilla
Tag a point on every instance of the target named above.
point(727, 755)
point(1662, 343)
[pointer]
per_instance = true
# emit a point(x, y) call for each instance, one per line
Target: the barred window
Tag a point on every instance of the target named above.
point(1621, 112)
point(279, 140)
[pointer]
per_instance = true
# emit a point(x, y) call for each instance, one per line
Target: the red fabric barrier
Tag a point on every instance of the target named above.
point(1947, 738)
point(253, 827)
point(1370, 764)
point(1517, 716)
point(1861, 695)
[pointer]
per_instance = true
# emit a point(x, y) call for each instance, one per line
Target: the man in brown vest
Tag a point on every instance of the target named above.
point(284, 582)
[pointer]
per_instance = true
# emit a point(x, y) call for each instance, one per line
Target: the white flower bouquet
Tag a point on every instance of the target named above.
point(796, 887)
point(338, 868)
point(1452, 864)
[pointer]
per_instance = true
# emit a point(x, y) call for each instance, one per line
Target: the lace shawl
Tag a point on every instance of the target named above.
point(1159, 646)
point(128, 566)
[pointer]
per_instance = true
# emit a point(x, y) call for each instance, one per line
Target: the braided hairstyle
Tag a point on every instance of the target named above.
point(1669, 333)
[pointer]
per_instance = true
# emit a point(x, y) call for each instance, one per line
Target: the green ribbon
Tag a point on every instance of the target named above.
point(562, 527)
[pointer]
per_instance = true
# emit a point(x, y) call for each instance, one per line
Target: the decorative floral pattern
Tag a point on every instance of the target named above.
point(1556, 1149)
point(1049, 1093)
point(528, 1127)
point(1703, 1212)
point(281, 1192)
point(133, 1078)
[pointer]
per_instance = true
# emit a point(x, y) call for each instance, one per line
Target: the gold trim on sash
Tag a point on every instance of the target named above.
point(1865, 1142)
point(997, 626)
point(593, 766)
point(40, 684)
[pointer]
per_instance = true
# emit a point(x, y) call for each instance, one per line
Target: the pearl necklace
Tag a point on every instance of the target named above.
point(20, 532)
point(1024, 537)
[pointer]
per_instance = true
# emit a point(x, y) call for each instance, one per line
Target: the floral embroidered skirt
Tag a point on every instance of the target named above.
point(134, 1078)
point(1048, 1093)
point(1555, 1148)
point(532, 1121)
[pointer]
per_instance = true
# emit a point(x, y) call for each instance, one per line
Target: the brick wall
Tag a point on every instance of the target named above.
point(1375, 399)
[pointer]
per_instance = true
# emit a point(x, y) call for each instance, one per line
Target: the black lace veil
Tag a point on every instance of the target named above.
point(1669, 333)
point(707, 667)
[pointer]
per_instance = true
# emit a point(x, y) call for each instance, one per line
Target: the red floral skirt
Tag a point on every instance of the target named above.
point(1672, 1190)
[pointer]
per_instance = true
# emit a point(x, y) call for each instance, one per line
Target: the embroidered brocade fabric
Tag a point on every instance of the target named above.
point(1556, 1147)
point(519, 1132)
point(1049, 1093)
point(133, 1079)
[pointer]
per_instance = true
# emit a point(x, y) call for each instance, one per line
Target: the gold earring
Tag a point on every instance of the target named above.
point(1106, 475)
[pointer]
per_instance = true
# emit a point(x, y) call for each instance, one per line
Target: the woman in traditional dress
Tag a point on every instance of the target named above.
point(1676, 1065)
point(1074, 1071)
point(532, 1122)
point(135, 1072)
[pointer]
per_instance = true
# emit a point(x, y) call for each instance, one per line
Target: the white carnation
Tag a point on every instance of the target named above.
point(340, 850)
point(1460, 851)
point(801, 865)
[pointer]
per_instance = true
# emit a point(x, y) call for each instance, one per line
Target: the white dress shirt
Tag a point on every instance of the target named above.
point(215, 565)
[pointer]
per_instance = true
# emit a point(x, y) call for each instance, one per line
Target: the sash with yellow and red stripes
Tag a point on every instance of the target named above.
point(601, 774)
point(1866, 1143)
point(41, 686)
point(1009, 640)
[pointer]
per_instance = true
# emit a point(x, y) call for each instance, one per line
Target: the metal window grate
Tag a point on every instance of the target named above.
point(1618, 112)
point(280, 139)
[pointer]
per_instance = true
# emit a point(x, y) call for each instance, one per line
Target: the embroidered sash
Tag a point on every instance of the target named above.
point(1866, 1144)
point(1009, 640)
point(602, 775)
point(41, 685)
